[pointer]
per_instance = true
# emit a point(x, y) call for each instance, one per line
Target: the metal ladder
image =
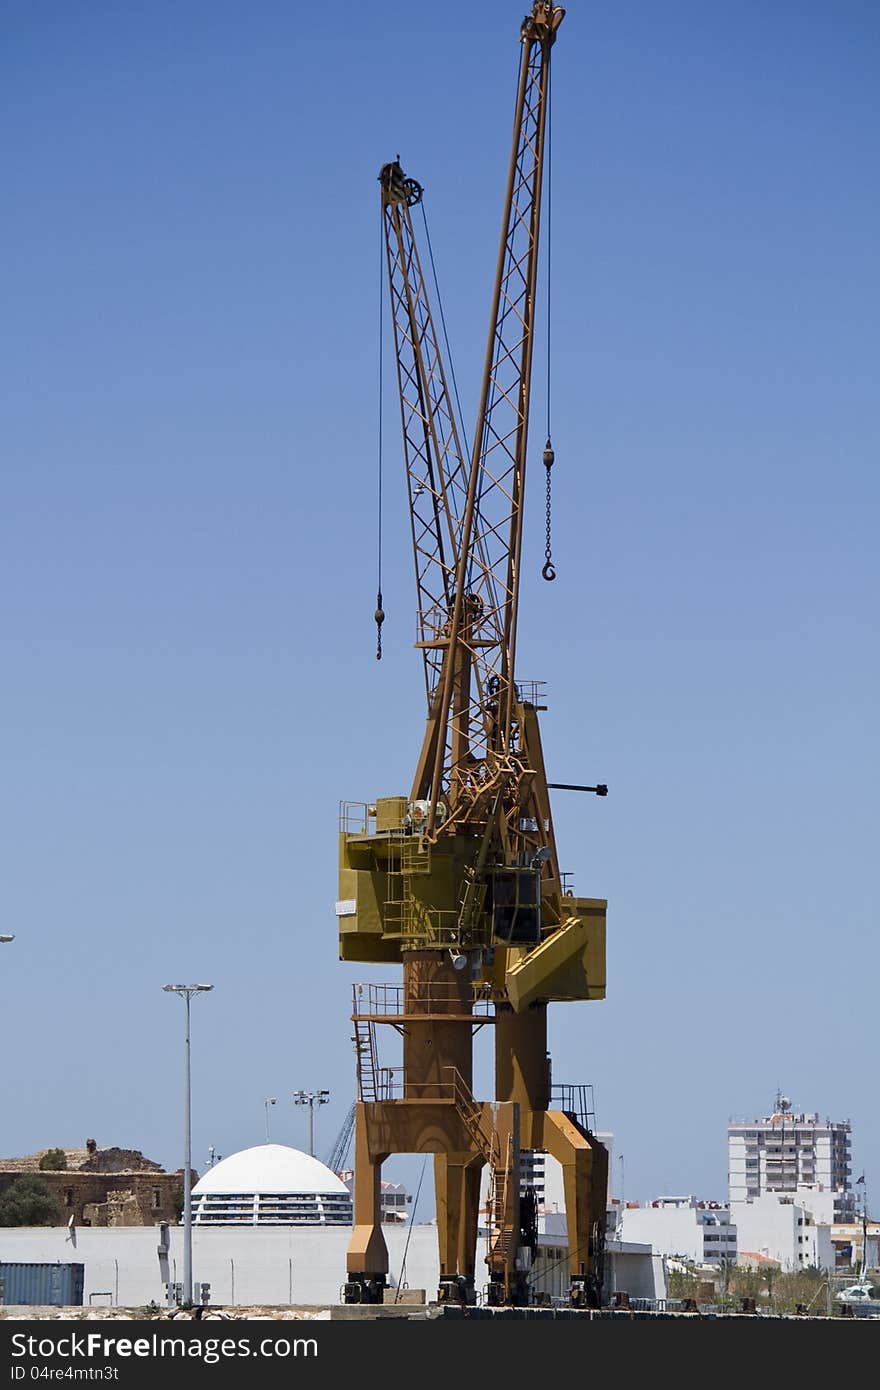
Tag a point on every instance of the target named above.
point(364, 1039)
point(502, 1236)
point(501, 1232)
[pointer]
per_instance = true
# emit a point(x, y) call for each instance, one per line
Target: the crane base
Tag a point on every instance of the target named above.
point(364, 1288)
point(457, 1288)
point(517, 1296)
point(585, 1293)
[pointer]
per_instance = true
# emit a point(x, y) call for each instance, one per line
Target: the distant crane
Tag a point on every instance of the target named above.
point(338, 1156)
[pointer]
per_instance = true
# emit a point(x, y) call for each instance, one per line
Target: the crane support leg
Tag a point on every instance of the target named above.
point(522, 1074)
point(522, 1064)
point(367, 1258)
point(460, 1132)
point(585, 1179)
point(457, 1189)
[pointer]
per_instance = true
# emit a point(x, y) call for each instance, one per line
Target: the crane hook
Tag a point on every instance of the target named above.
point(549, 570)
point(380, 618)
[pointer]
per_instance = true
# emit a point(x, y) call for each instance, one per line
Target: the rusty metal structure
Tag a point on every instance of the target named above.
point(459, 881)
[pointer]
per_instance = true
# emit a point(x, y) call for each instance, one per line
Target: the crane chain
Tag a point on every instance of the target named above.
point(549, 570)
point(379, 616)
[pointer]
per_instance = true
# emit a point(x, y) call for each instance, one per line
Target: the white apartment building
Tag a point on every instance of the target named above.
point(780, 1229)
point(791, 1154)
point(701, 1232)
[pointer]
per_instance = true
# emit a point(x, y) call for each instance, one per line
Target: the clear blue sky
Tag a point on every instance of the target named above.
point(188, 422)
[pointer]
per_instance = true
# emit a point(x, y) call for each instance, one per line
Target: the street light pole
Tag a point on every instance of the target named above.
point(311, 1099)
point(187, 991)
point(6, 937)
point(270, 1100)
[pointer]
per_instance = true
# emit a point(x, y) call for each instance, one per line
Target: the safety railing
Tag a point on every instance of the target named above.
point(357, 818)
point(389, 1083)
point(577, 1101)
point(418, 996)
point(532, 693)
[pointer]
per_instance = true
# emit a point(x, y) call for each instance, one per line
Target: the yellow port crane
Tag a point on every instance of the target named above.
point(459, 881)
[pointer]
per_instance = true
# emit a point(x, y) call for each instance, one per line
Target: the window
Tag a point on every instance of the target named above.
point(157, 1198)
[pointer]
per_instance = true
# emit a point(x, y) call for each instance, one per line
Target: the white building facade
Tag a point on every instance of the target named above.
point(271, 1185)
point(697, 1231)
point(781, 1229)
point(787, 1153)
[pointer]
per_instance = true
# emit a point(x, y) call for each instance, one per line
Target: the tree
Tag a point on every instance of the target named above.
point(53, 1161)
point(28, 1202)
point(745, 1282)
point(681, 1284)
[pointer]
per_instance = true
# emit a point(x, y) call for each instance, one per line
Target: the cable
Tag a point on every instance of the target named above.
point(549, 227)
point(445, 334)
point(379, 614)
point(549, 570)
point(409, 1232)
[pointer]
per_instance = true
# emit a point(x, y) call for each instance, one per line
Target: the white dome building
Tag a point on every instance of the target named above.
point(271, 1185)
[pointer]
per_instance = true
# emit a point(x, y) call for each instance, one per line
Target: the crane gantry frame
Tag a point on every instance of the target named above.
point(459, 882)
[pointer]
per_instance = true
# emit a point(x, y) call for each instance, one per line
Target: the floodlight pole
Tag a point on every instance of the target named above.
point(270, 1100)
point(311, 1099)
point(187, 991)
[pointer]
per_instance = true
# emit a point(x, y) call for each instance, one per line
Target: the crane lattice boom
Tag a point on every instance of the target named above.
point(467, 523)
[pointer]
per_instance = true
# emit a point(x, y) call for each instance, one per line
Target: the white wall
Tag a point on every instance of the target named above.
point(784, 1231)
point(637, 1270)
point(269, 1265)
point(824, 1256)
point(272, 1265)
point(820, 1205)
point(669, 1230)
point(682, 1230)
